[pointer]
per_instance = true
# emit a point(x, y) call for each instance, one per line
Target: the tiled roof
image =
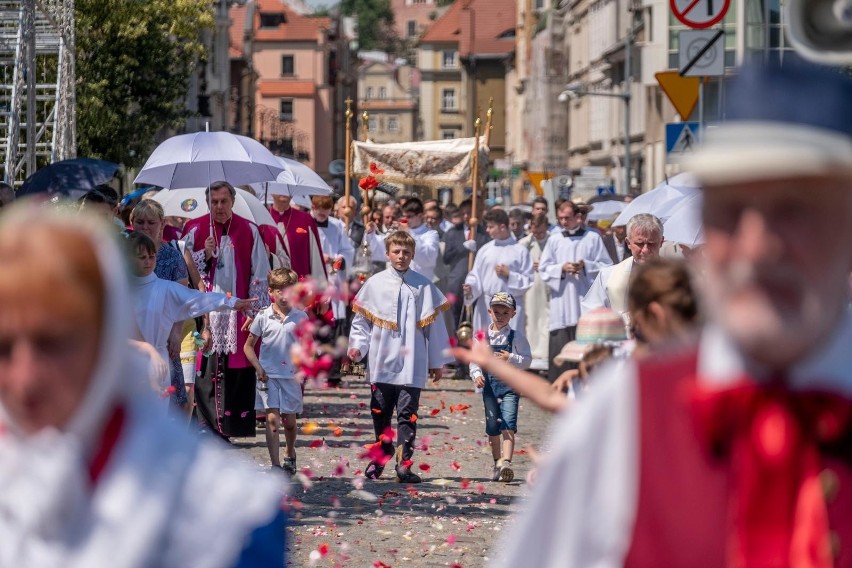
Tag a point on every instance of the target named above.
point(237, 14)
point(477, 26)
point(296, 28)
point(285, 88)
point(445, 28)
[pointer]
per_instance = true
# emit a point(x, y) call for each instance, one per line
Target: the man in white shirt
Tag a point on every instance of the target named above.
point(569, 264)
point(426, 255)
point(609, 290)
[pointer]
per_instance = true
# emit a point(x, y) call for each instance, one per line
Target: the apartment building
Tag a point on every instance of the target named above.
point(463, 58)
point(387, 91)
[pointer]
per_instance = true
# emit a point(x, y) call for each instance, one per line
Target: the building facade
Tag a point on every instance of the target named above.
point(464, 57)
point(388, 93)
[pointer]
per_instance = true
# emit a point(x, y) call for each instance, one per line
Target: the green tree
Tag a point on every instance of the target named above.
point(375, 24)
point(134, 59)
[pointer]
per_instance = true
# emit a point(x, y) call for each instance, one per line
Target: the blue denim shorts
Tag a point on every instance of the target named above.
point(500, 414)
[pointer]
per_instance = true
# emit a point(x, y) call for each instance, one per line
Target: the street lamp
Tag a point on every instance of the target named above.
point(576, 90)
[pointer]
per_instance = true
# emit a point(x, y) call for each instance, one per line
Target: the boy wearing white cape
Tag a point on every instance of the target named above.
point(397, 322)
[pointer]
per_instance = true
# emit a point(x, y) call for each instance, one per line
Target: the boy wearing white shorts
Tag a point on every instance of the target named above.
point(279, 390)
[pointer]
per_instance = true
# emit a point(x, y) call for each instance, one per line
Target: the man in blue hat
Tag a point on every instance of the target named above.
point(736, 451)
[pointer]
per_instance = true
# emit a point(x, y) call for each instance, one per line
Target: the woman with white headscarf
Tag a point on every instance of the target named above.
point(91, 473)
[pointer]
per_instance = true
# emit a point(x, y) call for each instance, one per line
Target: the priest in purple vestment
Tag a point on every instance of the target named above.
point(231, 259)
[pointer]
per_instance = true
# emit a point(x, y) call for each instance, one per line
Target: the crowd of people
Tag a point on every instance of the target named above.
point(720, 385)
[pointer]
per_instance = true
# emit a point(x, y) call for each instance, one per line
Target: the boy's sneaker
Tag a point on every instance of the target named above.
point(405, 475)
point(495, 471)
point(289, 465)
point(505, 471)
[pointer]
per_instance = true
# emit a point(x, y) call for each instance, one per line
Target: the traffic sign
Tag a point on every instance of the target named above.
point(699, 14)
point(681, 91)
point(681, 139)
point(701, 53)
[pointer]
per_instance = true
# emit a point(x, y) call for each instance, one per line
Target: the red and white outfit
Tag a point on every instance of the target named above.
point(699, 459)
point(120, 485)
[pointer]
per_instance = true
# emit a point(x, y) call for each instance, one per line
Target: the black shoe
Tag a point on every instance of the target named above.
point(405, 475)
point(374, 470)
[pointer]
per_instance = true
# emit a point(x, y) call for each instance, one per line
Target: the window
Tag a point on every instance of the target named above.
point(448, 100)
point(449, 59)
point(411, 28)
point(383, 93)
point(287, 106)
point(448, 134)
point(288, 65)
point(539, 4)
point(373, 124)
point(271, 20)
point(393, 124)
point(369, 92)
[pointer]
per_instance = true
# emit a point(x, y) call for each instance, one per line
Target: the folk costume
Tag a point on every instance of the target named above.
point(302, 239)
point(398, 325)
point(485, 282)
point(566, 289)
point(655, 442)
point(117, 485)
point(226, 404)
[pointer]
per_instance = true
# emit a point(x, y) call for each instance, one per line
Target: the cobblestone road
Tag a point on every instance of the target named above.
point(452, 519)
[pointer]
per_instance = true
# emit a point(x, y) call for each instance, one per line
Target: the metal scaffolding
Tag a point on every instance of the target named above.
point(37, 98)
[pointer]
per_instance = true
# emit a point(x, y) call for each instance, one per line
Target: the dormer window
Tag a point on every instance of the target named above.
point(271, 19)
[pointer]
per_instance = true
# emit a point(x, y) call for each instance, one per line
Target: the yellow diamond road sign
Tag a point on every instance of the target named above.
point(681, 91)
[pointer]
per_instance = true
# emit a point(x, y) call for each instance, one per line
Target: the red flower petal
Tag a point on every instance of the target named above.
point(315, 444)
point(435, 411)
point(424, 467)
point(456, 466)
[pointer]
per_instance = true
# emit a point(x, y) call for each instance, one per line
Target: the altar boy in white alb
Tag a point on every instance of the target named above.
point(398, 322)
point(569, 264)
point(426, 239)
point(501, 265)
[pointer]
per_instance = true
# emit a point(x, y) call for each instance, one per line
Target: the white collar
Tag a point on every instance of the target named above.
point(142, 280)
point(720, 361)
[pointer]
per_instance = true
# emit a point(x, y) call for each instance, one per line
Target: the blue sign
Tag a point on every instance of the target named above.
point(682, 138)
point(604, 189)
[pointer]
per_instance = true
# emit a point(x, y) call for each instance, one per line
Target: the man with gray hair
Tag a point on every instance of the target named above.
point(609, 290)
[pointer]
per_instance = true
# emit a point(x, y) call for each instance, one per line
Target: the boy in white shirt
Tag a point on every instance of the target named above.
point(279, 389)
point(398, 322)
point(500, 401)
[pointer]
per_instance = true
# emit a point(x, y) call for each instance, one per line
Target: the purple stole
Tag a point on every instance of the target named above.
point(242, 239)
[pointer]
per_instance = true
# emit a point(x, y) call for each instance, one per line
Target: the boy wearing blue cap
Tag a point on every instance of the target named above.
point(501, 402)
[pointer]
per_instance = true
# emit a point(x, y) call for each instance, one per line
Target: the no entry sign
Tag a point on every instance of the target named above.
point(699, 14)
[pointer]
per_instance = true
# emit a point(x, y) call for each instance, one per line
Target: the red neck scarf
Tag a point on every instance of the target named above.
point(772, 437)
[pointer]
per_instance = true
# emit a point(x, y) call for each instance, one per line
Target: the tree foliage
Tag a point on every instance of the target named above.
point(134, 59)
point(375, 24)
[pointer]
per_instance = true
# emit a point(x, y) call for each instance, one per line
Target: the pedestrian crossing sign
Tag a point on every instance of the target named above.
point(681, 139)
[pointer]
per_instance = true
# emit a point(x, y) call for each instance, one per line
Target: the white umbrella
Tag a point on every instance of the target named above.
point(297, 180)
point(661, 200)
point(606, 210)
point(199, 159)
point(190, 202)
point(685, 225)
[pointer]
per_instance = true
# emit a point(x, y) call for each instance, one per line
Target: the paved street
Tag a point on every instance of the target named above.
point(452, 519)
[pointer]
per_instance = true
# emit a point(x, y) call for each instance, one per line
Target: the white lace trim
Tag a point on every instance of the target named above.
point(259, 289)
point(223, 325)
point(200, 262)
